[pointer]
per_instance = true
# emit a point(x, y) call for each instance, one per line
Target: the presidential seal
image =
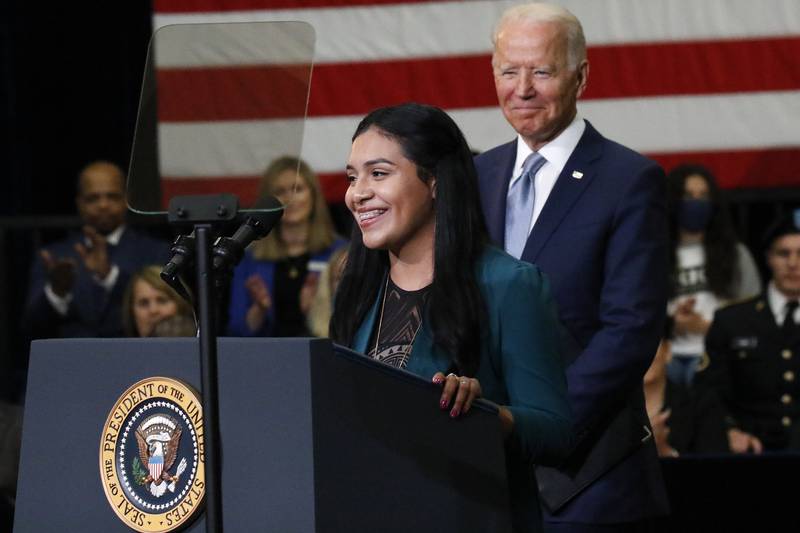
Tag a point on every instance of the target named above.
point(151, 455)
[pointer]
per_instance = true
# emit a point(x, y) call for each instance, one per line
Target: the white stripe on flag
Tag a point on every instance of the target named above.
point(402, 31)
point(663, 124)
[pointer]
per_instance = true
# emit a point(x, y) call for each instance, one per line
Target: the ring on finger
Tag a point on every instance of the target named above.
point(451, 375)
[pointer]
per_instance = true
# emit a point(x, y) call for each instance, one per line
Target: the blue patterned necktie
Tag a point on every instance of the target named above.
point(519, 205)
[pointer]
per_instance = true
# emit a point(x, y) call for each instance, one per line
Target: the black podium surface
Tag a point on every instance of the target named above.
point(312, 440)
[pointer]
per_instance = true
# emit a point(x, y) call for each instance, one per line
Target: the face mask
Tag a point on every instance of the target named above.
point(693, 215)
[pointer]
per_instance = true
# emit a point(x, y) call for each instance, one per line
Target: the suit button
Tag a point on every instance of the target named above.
point(786, 399)
point(788, 375)
point(786, 421)
point(786, 354)
point(742, 354)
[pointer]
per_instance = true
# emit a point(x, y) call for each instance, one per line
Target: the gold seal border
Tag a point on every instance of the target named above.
point(177, 392)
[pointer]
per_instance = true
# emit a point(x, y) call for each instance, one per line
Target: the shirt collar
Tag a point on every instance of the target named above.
point(777, 302)
point(114, 237)
point(556, 152)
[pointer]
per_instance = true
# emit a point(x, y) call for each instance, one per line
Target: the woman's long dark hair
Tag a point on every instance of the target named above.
point(719, 239)
point(455, 308)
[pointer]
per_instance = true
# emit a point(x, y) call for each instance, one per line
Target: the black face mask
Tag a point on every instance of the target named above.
point(694, 215)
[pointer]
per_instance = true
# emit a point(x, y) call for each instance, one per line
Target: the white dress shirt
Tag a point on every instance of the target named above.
point(557, 152)
point(777, 304)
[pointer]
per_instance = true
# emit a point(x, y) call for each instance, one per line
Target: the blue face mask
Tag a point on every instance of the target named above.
point(694, 215)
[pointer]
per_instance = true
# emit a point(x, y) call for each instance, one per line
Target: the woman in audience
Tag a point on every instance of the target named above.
point(422, 290)
point(148, 300)
point(271, 286)
point(709, 266)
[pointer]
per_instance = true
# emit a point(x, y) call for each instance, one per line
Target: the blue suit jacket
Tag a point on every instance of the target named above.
point(601, 238)
point(93, 312)
point(520, 368)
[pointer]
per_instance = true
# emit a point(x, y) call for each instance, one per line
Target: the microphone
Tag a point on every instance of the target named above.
point(228, 251)
point(182, 254)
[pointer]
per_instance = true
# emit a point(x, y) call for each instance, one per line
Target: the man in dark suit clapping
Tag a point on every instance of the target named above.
point(77, 284)
point(590, 213)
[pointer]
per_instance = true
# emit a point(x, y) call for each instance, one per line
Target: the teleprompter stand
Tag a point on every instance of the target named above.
point(213, 268)
point(203, 212)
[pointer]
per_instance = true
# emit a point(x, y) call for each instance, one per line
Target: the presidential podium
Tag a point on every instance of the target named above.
point(313, 439)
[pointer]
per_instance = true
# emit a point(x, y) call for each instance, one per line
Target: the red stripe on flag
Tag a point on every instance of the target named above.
point(776, 167)
point(466, 81)
point(245, 187)
point(205, 6)
point(694, 68)
point(232, 93)
point(734, 169)
point(333, 186)
point(357, 88)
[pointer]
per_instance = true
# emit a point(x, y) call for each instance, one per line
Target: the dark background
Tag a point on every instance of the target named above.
point(71, 75)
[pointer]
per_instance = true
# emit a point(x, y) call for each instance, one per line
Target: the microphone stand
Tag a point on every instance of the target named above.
point(204, 212)
point(208, 373)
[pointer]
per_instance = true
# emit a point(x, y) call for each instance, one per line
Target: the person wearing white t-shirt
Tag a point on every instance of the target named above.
point(709, 267)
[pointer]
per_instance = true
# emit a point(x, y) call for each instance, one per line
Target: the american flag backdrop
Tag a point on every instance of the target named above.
point(709, 81)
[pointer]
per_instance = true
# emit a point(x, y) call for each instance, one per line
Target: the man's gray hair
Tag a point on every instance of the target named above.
point(541, 12)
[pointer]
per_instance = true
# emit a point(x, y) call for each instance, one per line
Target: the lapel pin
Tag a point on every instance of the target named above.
point(577, 174)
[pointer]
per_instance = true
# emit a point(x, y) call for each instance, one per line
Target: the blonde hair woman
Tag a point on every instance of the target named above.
point(148, 300)
point(267, 285)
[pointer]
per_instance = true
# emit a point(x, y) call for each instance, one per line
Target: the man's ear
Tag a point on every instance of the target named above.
point(583, 76)
point(432, 186)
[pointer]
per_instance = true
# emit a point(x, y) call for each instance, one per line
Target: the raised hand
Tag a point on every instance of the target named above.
point(95, 256)
point(308, 291)
point(60, 272)
point(262, 301)
point(741, 442)
point(688, 320)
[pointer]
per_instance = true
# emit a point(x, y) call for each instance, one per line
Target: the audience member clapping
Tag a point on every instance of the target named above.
point(272, 287)
point(77, 284)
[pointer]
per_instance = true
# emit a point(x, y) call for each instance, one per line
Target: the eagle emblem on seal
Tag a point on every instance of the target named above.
point(158, 437)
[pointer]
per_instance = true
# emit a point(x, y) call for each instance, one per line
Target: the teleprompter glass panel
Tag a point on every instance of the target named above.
point(220, 103)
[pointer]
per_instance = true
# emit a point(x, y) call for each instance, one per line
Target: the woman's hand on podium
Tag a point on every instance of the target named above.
point(461, 391)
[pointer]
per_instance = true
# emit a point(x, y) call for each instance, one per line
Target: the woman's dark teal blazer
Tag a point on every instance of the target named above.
point(520, 368)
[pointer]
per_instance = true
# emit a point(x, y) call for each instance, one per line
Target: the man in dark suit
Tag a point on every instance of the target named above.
point(77, 285)
point(753, 354)
point(590, 213)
